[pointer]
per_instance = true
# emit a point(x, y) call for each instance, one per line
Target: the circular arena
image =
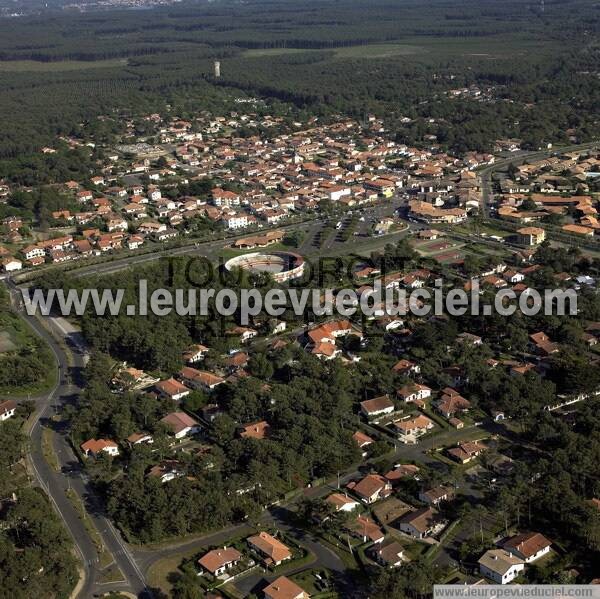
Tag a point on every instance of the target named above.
point(282, 266)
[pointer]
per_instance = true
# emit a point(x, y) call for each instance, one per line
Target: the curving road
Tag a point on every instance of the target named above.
point(72, 476)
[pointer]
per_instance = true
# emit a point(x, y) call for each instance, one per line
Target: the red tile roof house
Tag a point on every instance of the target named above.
point(330, 331)
point(200, 379)
point(166, 471)
point(406, 367)
point(542, 344)
point(325, 351)
point(377, 406)
point(366, 529)
point(195, 353)
point(181, 424)
point(272, 550)
point(284, 588)
point(140, 438)
point(371, 488)
point(451, 402)
point(413, 392)
point(362, 441)
point(172, 389)
point(7, 409)
point(218, 561)
point(255, 430)
point(94, 447)
point(401, 471)
point(411, 429)
point(465, 452)
point(529, 546)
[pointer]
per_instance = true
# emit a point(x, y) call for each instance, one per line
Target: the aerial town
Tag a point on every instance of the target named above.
point(156, 148)
point(427, 440)
point(134, 201)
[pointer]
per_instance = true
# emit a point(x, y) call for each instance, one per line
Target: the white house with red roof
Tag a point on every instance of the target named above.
point(94, 447)
point(172, 389)
point(181, 424)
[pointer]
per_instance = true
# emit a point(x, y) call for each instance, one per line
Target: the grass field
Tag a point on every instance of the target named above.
point(160, 571)
point(361, 51)
point(483, 48)
point(18, 66)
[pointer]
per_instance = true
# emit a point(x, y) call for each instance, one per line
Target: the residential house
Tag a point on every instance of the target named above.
point(389, 554)
point(328, 332)
point(421, 523)
point(410, 429)
point(528, 547)
point(140, 438)
point(378, 406)
point(94, 447)
point(181, 425)
point(200, 379)
point(413, 392)
point(284, 588)
point(272, 550)
point(469, 339)
point(371, 488)
point(244, 333)
point(406, 367)
point(466, 451)
point(237, 220)
point(195, 353)
point(451, 403)
point(401, 471)
point(531, 235)
point(166, 471)
point(342, 503)
point(134, 242)
point(436, 495)
point(255, 430)
point(218, 561)
point(172, 389)
point(542, 345)
point(364, 528)
point(7, 409)
point(11, 264)
point(500, 566)
point(362, 440)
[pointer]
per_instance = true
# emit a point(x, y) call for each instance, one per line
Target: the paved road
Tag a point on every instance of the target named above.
point(71, 475)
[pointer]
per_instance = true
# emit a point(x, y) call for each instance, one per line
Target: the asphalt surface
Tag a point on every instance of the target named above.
point(71, 474)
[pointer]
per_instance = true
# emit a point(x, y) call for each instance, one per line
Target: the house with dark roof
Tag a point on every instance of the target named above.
point(421, 523)
point(389, 553)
